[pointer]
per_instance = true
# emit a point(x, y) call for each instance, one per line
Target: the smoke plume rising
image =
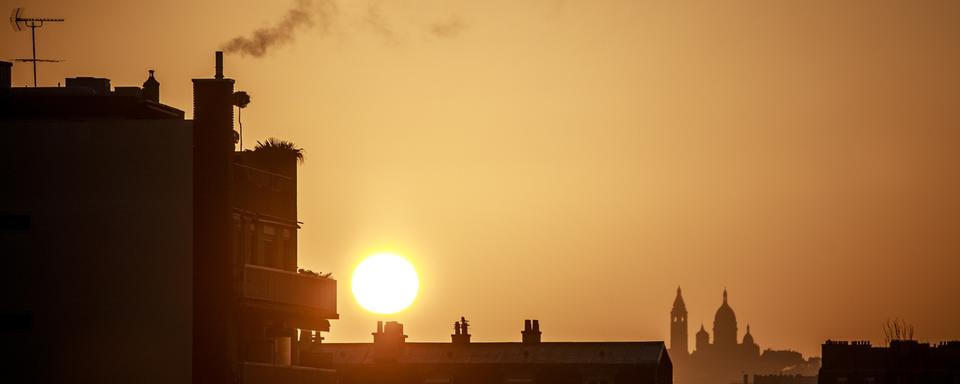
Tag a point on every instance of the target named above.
point(380, 24)
point(304, 14)
point(448, 28)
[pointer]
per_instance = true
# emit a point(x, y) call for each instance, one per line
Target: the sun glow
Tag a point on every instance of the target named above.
point(385, 283)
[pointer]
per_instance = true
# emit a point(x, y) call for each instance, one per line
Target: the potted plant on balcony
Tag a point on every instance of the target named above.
point(282, 156)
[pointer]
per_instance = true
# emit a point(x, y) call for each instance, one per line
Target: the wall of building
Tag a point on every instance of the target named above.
point(98, 282)
point(903, 361)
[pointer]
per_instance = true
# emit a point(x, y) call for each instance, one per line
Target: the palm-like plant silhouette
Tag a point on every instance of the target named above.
point(275, 145)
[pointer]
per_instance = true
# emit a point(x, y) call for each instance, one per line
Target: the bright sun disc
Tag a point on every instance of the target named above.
point(385, 283)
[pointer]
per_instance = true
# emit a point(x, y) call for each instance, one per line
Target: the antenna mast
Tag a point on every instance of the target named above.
point(19, 23)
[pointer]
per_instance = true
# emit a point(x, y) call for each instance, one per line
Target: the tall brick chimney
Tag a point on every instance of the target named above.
point(215, 353)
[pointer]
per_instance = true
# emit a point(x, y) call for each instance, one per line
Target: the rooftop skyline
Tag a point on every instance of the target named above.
point(575, 162)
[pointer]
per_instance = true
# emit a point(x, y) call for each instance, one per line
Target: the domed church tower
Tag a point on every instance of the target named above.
point(678, 327)
point(703, 340)
point(725, 326)
point(748, 338)
point(750, 347)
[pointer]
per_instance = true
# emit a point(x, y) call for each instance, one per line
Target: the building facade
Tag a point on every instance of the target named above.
point(391, 359)
point(141, 247)
point(902, 362)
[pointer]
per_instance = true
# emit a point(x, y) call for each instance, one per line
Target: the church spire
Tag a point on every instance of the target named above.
point(724, 295)
point(679, 307)
point(678, 327)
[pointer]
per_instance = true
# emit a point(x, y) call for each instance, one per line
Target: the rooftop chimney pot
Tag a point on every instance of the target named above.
point(219, 68)
point(461, 332)
point(531, 335)
point(151, 88)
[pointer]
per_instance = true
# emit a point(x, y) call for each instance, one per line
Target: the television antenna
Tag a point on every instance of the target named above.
point(19, 23)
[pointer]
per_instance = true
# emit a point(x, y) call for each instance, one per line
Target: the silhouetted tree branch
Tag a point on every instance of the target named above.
point(897, 329)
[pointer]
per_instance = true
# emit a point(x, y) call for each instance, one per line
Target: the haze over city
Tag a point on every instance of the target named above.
point(576, 161)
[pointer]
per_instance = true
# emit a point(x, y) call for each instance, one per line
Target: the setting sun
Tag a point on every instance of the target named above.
point(385, 283)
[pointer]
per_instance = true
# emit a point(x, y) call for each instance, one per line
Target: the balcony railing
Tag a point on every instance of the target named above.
point(314, 293)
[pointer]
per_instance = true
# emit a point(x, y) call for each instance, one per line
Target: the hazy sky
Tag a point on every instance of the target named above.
point(576, 161)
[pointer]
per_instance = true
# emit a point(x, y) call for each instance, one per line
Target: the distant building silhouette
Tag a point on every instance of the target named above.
point(724, 335)
point(725, 359)
point(392, 359)
point(119, 217)
point(903, 362)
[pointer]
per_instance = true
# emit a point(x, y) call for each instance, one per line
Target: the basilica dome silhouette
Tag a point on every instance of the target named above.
point(725, 324)
point(725, 314)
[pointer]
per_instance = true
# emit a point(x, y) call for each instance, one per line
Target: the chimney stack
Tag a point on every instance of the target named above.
point(219, 66)
point(215, 354)
point(461, 332)
point(388, 341)
point(531, 332)
point(151, 88)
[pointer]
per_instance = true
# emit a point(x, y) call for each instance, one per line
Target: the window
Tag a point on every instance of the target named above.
point(287, 252)
point(238, 254)
point(253, 244)
point(269, 252)
point(271, 246)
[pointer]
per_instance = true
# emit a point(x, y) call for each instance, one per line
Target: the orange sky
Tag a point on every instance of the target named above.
point(575, 161)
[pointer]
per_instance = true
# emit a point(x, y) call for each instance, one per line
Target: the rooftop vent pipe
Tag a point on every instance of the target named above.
point(219, 74)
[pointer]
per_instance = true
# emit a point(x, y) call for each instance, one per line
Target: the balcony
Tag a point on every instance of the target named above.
point(303, 300)
point(257, 373)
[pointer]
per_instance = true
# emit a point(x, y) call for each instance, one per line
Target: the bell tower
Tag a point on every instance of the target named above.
point(678, 327)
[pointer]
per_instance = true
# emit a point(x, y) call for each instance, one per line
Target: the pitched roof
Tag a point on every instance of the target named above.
point(506, 353)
